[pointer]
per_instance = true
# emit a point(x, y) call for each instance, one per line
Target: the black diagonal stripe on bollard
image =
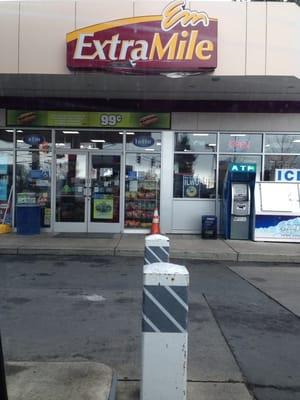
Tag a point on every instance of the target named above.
point(154, 254)
point(3, 390)
point(181, 292)
point(163, 311)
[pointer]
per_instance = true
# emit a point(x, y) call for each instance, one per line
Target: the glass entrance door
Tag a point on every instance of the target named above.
point(87, 192)
point(103, 193)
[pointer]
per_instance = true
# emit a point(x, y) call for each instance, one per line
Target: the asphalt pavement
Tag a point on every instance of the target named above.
point(244, 328)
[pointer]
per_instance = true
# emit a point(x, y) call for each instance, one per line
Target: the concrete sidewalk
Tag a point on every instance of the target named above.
point(60, 381)
point(181, 247)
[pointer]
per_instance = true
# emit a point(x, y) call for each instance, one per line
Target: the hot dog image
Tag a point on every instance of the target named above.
point(148, 120)
point(26, 118)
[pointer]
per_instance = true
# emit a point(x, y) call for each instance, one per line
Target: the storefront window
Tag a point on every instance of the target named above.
point(141, 189)
point(33, 139)
point(279, 162)
point(143, 141)
point(226, 159)
point(6, 138)
point(6, 173)
point(90, 140)
point(236, 142)
point(282, 144)
point(194, 176)
point(196, 142)
point(33, 181)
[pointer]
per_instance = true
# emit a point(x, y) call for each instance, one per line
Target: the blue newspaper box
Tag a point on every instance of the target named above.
point(28, 219)
point(209, 227)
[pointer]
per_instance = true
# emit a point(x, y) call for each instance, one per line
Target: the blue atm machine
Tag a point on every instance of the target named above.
point(238, 201)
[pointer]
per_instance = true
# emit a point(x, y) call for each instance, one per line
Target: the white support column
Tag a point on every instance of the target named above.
point(164, 336)
point(157, 249)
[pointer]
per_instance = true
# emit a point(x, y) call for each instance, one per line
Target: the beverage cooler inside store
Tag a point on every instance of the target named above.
point(141, 192)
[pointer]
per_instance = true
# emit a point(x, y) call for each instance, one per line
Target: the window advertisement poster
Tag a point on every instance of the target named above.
point(3, 165)
point(3, 177)
point(103, 208)
point(3, 189)
point(88, 119)
point(191, 187)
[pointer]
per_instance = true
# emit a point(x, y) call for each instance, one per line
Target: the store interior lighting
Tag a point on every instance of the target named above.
point(70, 132)
point(237, 134)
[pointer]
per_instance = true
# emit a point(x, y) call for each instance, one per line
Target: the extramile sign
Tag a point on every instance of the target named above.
point(178, 40)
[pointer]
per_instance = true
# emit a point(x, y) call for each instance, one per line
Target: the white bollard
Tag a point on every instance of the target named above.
point(157, 249)
point(164, 336)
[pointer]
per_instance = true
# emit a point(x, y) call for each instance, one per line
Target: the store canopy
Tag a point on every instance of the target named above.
point(146, 87)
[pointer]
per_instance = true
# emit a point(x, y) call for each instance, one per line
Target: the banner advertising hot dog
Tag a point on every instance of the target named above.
point(178, 40)
point(88, 119)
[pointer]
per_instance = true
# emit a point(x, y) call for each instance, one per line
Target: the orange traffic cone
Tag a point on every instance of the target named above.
point(155, 229)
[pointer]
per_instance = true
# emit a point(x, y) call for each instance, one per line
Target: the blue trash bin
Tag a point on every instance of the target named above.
point(28, 219)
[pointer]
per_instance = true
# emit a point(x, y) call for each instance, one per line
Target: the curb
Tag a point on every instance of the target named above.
point(113, 388)
point(175, 254)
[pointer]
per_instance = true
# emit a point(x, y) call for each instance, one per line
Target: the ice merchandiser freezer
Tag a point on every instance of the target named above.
point(277, 212)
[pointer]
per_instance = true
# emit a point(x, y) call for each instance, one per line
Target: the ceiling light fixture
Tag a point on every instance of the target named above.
point(200, 134)
point(9, 130)
point(98, 140)
point(70, 132)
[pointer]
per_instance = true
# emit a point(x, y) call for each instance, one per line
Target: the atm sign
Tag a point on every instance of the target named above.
point(243, 168)
point(287, 175)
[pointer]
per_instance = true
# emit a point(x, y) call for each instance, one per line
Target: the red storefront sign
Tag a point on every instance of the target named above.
point(178, 40)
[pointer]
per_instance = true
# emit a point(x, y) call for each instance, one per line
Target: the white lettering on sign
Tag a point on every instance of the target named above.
point(287, 175)
point(243, 168)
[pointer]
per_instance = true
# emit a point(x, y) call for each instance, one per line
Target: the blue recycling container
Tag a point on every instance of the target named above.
point(28, 219)
point(209, 227)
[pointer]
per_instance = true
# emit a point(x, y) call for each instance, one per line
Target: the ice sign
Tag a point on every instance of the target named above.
point(287, 175)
